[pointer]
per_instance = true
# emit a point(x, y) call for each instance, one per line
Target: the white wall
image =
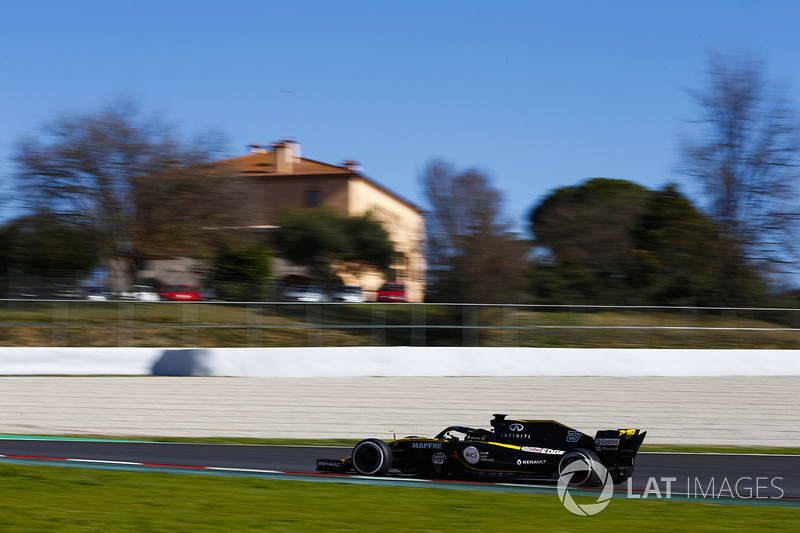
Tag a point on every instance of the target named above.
point(78, 361)
point(396, 362)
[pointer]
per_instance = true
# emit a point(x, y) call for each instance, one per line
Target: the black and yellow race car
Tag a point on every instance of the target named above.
point(541, 449)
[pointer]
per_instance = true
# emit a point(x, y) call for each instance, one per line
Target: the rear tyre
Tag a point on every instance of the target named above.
point(372, 457)
point(585, 468)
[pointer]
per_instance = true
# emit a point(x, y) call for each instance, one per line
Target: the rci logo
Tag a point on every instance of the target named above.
point(516, 427)
point(595, 469)
point(471, 454)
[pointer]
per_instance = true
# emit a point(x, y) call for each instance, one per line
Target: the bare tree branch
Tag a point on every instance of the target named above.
point(745, 157)
point(128, 177)
point(472, 255)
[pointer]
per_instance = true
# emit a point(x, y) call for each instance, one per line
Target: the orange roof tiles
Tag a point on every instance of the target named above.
point(264, 163)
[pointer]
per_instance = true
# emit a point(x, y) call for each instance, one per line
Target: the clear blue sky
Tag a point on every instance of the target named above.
point(539, 95)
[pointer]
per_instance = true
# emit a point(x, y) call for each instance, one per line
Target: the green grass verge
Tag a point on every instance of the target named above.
point(35, 498)
point(170, 324)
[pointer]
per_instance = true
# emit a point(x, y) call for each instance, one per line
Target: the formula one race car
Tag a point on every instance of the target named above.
point(512, 449)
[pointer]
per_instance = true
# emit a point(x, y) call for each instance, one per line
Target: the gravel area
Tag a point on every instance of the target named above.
point(743, 411)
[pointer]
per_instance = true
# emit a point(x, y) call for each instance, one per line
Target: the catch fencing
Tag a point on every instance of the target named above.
point(30, 322)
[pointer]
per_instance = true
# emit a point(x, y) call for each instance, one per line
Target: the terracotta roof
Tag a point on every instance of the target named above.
point(264, 163)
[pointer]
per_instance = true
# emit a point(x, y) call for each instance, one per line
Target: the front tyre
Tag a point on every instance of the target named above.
point(372, 457)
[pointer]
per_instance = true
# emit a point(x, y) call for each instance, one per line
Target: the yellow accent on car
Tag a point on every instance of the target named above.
point(513, 447)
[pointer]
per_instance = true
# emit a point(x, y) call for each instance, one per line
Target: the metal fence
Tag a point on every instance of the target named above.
point(29, 322)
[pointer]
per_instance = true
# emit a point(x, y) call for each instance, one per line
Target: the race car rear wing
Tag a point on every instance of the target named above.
point(620, 444)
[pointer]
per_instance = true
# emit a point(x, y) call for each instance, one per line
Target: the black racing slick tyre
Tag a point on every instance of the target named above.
point(372, 457)
point(587, 468)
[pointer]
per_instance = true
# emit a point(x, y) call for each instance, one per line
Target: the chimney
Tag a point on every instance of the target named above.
point(286, 151)
point(256, 148)
point(351, 165)
point(295, 147)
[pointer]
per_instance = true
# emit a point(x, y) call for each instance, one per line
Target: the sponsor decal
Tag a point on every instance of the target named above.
point(630, 432)
point(438, 458)
point(329, 463)
point(426, 445)
point(606, 442)
point(547, 451)
point(573, 435)
point(516, 427)
point(521, 462)
point(471, 455)
point(515, 436)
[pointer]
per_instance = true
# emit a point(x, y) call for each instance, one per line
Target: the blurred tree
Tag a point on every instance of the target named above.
point(745, 158)
point(243, 274)
point(124, 176)
point(678, 251)
point(320, 239)
point(47, 246)
point(615, 242)
point(197, 210)
point(584, 233)
point(675, 248)
point(472, 254)
point(368, 246)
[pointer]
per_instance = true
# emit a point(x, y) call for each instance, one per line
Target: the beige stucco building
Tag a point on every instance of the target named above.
point(278, 178)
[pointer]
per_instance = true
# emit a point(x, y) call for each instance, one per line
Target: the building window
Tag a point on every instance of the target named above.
point(313, 197)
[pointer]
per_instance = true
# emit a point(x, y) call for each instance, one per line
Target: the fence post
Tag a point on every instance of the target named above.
point(313, 334)
point(255, 335)
point(469, 325)
point(418, 328)
point(378, 332)
point(189, 319)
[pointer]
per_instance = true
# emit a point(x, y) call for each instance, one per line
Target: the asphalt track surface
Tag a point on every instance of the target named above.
point(702, 476)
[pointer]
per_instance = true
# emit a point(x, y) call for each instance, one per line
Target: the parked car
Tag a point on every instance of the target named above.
point(306, 293)
point(181, 293)
point(392, 292)
point(143, 293)
point(66, 292)
point(211, 296)
point(98, 294)
point(348, 293)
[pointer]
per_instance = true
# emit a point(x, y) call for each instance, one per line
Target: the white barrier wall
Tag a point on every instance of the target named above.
point(78, 361)
point(396, 362)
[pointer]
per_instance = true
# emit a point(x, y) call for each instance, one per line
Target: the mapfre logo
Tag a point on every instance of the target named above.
point(516, 427)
